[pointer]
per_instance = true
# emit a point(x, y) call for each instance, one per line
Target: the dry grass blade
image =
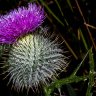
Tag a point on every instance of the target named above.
point(85, 25)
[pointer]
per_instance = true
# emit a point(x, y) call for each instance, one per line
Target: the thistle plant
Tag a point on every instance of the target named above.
point(34, 60)
point(20, 22)
point(35, 57)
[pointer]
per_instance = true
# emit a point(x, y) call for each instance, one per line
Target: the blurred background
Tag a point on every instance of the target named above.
point(75, 22)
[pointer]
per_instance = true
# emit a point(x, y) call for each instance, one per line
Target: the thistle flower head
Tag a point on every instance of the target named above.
point(35, 59)
point(19, 22)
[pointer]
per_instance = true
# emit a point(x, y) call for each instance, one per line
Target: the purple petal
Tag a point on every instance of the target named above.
point(20, 22)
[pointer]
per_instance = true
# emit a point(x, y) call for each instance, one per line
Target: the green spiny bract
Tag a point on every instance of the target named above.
point(35, 59)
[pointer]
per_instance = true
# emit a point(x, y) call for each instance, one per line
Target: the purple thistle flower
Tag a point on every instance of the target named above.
point(19, 22)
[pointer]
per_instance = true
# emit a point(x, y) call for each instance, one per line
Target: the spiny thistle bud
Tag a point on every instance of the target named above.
point(35, 59)
point(19, 22)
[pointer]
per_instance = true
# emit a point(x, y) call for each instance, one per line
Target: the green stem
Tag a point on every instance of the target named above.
point(50, 11)
point(69, 3)
point(59, 7)
point(91, 74)
point(59, 83)
point(78, 67)
point(83, 39)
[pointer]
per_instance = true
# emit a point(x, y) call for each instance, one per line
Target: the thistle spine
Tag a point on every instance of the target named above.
point(35, 59)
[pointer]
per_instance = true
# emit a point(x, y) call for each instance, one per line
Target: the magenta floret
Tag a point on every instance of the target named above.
point(19, 22)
